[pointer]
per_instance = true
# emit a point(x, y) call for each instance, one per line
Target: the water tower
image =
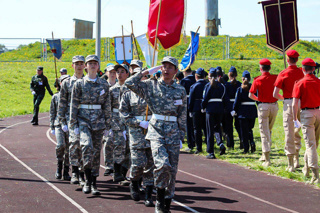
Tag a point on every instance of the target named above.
point(212, 19)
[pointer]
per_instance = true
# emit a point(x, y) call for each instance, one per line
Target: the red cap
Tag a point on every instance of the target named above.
point(308, 62)
point(265, 61)
point(292, 54)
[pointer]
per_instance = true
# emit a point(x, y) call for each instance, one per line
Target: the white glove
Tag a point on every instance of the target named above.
point(153, 70)
point(76, 131)
point(144, 124)
point(190, 114)
point(124, 134)
point(181, 144)
point(297, 124)
point(110, 133)
point(233, 113)
point(53, 132)
point(65, 128)
point(203, 110)
point(33, 92)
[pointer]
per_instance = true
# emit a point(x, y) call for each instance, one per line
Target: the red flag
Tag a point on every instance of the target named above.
point(170, 22)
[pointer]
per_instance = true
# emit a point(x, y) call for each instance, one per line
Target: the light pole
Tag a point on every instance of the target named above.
point(98, 32)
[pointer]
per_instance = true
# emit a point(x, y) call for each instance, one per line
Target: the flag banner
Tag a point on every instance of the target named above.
point(123, 50)
point(289, 24)
point(55, 46)
point(147, 50)
point(190, 55)
point(170, 22)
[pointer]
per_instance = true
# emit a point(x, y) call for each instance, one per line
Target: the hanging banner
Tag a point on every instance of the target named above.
point(123, 50)
point(190, 55)
point(55, 46)
point(147, 50)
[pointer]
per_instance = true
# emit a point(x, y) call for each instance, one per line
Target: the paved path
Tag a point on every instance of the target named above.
point(27, 183)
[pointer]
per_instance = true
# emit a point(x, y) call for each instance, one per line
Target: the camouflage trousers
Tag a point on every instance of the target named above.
point(108, 151)
point(142, 165)
point(75, 150)
point(121, 151)
point(62, 148)
point(90, 142)
point(166, 158)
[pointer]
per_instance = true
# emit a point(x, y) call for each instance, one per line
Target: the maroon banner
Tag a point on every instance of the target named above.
point(273, 27)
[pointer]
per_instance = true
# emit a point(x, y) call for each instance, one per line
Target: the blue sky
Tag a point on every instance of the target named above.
point(38, 18)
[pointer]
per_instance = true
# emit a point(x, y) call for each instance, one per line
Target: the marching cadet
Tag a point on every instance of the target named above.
point(186, 82)
point(135, 64)
point(214, 101)
point(62, 148)
point(307, 92)
point(285, 82)
point(168, 103)
point(78, 65)
point(133, 113)
point(37, 86)
point(118, 131)
point(194, 107)
point(267, 109)
point(90, 117)
point(231, 88)
point(246, 110)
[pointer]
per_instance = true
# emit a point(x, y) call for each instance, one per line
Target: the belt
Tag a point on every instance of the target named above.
point(268, 102)
point(310, 108)
point(115, 110)
point(90, 106)
point(288, 98)
point(232, 100)
point(248, 103)
point(199, 99)
point(215, 100)
point(164, 117)
point(142, 117)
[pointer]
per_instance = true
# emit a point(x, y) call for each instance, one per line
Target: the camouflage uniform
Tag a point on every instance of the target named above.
point(121, 147)
point(62, 152)
point(64, 118)
point(132, 105)
point(91, 122)
point(164, 136)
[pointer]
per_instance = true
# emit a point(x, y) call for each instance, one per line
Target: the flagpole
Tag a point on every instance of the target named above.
point(55, 63)
point(282, 38)
point(124, 53)
point(134, 39)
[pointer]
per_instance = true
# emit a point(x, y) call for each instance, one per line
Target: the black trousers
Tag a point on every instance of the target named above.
point(36, 106)
point(199, 125)
point(246, 126)
point(228, 128)
point(213, 122)
point(190, 133)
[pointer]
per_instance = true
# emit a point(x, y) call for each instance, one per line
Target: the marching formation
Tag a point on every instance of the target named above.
point(141, 117)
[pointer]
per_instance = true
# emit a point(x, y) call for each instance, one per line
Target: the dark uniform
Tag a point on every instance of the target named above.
point(37, 87)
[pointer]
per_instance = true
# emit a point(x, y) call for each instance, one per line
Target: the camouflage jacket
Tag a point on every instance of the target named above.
point(163, 99)
point(39, 83)
point(88, 92)
point(115, 95)
point(54, 111)
point(132, 105)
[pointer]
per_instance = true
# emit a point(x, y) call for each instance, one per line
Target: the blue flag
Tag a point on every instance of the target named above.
point(190, 55)
point(55, 45)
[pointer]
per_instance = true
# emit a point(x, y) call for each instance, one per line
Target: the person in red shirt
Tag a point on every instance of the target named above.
point(285, 82)
point(308, 93)
point(263, 86)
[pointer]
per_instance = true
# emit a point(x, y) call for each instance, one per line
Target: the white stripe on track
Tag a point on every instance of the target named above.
point(38, 175)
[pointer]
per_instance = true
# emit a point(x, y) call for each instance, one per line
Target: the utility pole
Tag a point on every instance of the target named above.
point(98, 32)
point(212, 18)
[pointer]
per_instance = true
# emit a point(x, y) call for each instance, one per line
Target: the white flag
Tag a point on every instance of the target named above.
point(147, 50)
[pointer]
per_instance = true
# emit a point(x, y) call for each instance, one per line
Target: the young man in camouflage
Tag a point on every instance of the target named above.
point(89, 116)
point(64, 118)
point(62, 148)
point(168, 103)
point(133, 113)
point(118, 128)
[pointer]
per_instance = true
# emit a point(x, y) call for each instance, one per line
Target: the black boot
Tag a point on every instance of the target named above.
point(66, 175)
point(124, 171)
point(87, 187)
point(148, 196)
point(222, 149)
point(167, 204)
point(94, 189)
point(141, 187)
point(59, 170)
point(253, 148)
point(75, 175)
point(117, 176)
point(82, 180)
point(160, 201)
point(134, 190)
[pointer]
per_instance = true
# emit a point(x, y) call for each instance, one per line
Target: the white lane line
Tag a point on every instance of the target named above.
point(180, 204)
point(241, 192)
point(38, 175)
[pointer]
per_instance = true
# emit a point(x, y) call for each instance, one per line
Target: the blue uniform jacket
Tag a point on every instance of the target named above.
point(231, 92)
point(187, 82)
point(196, 96)
point(243, 110)
point(215, 93)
